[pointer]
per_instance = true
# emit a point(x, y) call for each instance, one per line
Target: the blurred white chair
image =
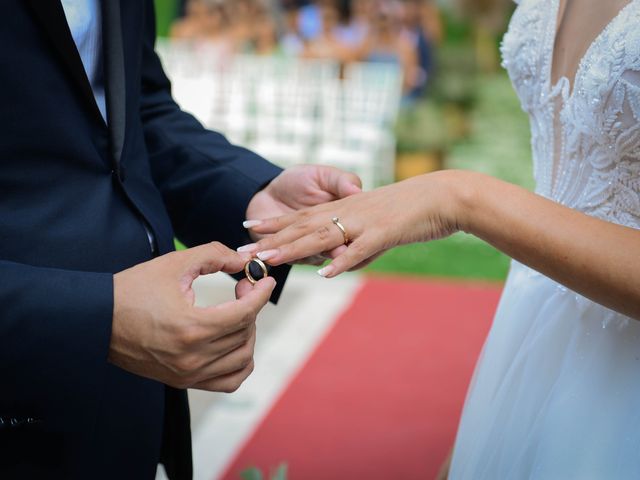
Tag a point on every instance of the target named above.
point(337, 146)
point(286, 101)
point(359, 114)
point(373, 92)
point(292, 111)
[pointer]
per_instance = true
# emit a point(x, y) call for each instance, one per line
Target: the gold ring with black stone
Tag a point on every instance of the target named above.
point(255, 270)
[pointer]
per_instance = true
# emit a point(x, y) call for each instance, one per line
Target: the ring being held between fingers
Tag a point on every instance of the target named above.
point(159, 333)
point(255, 270)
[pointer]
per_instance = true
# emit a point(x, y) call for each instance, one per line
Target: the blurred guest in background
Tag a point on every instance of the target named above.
point(422, 23)
point(402, 32)
point(193, 24)
point(328, 43)
point(361, 14)
point(350, 33)
point(309, 20)
point(386, 43)
point(291, 41)
point(242, 21)
point(264, 38)
point(206, 24)
point(488, 24)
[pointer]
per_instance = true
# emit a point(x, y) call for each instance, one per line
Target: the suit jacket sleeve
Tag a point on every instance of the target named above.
point(52, 321)
point(206, 182)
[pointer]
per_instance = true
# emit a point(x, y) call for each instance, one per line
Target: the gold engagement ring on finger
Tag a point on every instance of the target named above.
point(345, 236)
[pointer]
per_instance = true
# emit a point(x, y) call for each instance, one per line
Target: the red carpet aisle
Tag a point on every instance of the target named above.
point(381, 395)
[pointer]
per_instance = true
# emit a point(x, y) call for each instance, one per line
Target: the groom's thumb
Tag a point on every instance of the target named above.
point(350, 185)
point(343, 184)
point(211, 258)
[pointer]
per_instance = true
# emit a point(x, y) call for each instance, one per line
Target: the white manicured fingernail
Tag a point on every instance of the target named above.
point(247, 248)
point(251, 223)
point(324, 272)
point(267, 255)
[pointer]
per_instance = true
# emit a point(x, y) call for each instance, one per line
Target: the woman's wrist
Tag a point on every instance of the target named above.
point(461, 199)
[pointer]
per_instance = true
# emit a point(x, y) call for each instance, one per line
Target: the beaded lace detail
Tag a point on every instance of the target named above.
point(597, 170)
point(586, 142)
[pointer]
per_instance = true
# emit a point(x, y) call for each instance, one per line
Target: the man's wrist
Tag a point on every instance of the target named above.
point(252, 206)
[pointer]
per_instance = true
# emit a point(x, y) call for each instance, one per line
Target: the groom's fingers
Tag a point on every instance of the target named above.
point(211, 258)
point(340, 183)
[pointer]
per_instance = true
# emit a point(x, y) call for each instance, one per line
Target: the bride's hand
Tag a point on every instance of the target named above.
point(415, 210)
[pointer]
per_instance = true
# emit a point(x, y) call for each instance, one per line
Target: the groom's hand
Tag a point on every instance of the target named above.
point(158, 333)
point(300, 187)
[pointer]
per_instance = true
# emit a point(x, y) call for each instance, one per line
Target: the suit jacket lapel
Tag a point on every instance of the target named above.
point(50, 15)
point(114, 74)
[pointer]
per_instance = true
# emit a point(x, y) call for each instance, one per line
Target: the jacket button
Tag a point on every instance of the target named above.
point(119, 174)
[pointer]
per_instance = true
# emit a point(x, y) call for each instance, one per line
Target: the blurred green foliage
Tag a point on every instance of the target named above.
point(426, 126)
point(166, 11)
point(256, 474)
point(458, 30)
point(499, 141)
point(421, 128)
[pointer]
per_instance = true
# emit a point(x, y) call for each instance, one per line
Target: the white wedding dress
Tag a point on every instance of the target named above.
point(556, 392)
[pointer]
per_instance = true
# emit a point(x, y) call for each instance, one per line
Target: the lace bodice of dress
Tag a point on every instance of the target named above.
point(586, 142)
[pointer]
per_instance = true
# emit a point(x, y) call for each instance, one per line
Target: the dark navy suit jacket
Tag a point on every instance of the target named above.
point(76, 197)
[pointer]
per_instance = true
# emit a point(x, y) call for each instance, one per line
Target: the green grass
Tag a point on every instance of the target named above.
point(455, 257)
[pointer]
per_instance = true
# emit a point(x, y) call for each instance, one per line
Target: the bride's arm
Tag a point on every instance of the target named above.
point(598, 259)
